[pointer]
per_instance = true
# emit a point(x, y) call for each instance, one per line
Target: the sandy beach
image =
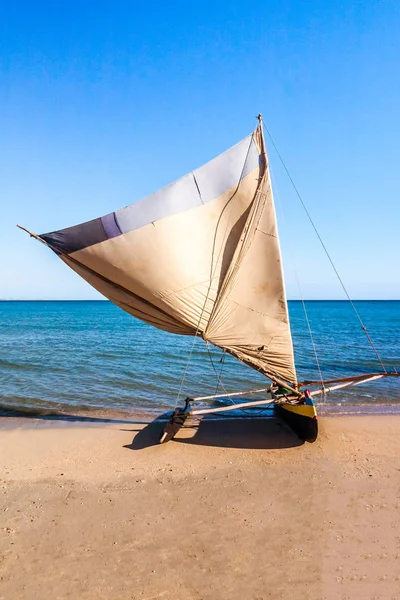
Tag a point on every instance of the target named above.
point(230, 510)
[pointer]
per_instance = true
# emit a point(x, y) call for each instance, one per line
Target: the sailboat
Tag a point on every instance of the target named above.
point(201, 257)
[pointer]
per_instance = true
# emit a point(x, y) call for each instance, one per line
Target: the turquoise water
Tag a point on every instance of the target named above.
point(69, 356)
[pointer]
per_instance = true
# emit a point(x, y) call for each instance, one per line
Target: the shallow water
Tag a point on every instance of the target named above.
point(70, 356)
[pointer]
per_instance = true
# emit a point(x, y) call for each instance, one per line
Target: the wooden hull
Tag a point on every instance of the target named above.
point(301, 418)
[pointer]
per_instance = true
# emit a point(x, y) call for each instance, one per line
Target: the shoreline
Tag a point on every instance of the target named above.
point(10, 418)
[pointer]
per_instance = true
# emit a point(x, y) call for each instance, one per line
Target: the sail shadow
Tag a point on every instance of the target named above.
point(232, 432)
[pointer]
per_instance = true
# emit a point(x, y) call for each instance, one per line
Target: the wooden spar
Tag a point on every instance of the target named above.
point(203, 411)
point(34, 235)
point(354, 378)
point(231, 394)
point(347, 384)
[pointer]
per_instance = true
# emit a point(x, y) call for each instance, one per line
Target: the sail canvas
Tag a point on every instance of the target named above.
point(201, 257)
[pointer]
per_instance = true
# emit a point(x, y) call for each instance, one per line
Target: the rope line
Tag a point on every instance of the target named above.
point(222, 362)
point(325, 248)
point(312, 342)
point(218, 376)
point(299, 287)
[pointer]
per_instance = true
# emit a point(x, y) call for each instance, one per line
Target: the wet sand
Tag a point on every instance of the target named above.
point(230, 510)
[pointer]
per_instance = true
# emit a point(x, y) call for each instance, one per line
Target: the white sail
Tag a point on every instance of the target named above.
point(199, 257)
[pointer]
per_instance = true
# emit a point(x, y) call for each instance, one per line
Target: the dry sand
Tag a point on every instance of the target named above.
point(231, 510)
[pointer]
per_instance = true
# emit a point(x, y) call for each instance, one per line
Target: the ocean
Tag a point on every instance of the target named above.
point(90, 356)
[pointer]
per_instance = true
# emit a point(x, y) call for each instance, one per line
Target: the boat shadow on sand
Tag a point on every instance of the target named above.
point(263, 433)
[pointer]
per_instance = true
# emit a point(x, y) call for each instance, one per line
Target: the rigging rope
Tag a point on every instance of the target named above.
point(325, 248)
point(219, 378)
point(312, 341)
point(299, 287)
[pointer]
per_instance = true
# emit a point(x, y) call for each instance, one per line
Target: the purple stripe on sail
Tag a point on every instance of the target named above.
point(110, 226)
point(71, 239)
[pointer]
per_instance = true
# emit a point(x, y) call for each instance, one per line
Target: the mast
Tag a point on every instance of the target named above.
point(296, 385)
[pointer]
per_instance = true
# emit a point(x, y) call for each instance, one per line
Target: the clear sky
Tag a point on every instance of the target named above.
point(103, 103)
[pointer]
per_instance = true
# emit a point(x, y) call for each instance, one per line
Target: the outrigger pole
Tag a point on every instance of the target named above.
point(350, 378)
point(348, 381)
point(354, 381)
point(285, 399)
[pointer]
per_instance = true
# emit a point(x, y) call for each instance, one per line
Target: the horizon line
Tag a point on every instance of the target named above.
point(288, 299)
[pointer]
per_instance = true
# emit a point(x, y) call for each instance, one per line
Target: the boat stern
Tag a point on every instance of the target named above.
point(301, 418)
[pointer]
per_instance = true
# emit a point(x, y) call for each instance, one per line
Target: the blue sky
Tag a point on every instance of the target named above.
point(103, 103)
